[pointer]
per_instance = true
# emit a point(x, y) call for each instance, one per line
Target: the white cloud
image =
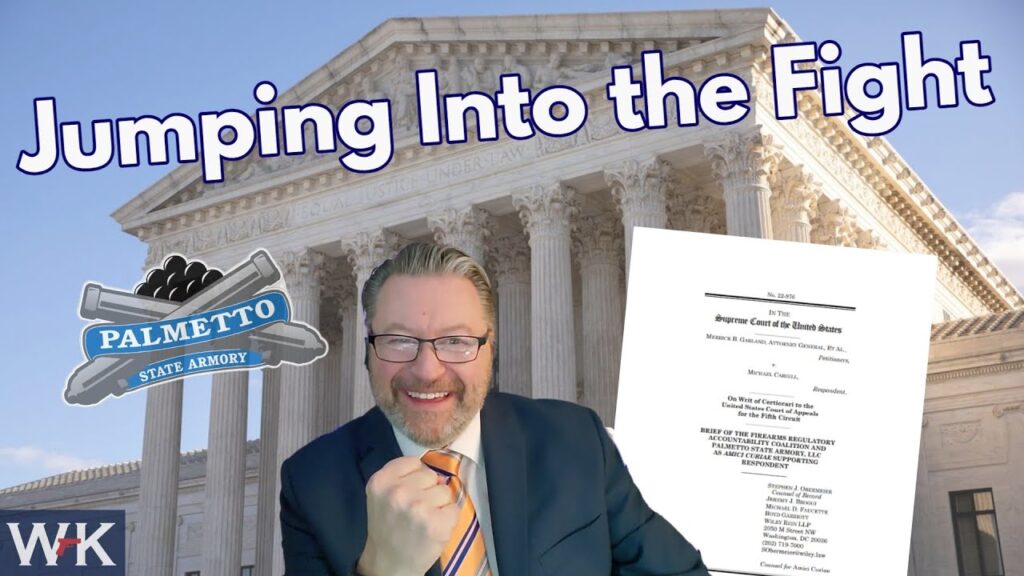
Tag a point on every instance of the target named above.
point(999, 231)
point(48, 461)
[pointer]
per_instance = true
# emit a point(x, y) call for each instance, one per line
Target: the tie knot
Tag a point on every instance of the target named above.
point(443, 461)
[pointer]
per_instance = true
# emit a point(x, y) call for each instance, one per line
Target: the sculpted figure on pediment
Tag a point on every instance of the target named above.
point(309, 137)
point(510, 65)
point(554, 72)
point(403, 93)
point(249, 171)
point(550, 72)
point(611, 59)
point(478, 76)
point(451, 79)
point(257, 167)
point(436, 63)
point(368, 89)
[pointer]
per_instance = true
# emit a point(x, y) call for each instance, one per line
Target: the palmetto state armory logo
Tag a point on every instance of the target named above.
point(185, 319)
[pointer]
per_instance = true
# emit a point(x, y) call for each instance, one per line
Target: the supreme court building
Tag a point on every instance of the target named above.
point(551, 219)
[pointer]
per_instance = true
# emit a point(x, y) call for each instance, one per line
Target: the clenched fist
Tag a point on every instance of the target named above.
point(410, 517)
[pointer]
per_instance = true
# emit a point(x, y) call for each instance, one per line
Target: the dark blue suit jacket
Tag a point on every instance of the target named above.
point(561, 500)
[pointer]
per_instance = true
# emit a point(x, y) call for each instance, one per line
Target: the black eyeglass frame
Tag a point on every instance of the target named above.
point(481, 340)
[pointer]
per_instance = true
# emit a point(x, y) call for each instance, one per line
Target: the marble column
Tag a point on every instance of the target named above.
point(577, 326)
point(328, 398)
point(510, 260)
point(129, 546)
point(547, 212)
point(640, 189)
point(329, 402)
point(743, 161)
point(365, 251)
point(599, 245)
point(267, 496)
point(339, 314)
point(923, 524)
point(348, 314)
point(158, 491)
point(795, 191)
point(462, 228)
point(297, 424)
point(225, 475)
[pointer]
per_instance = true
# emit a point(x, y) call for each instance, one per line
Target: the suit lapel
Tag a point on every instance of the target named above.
point(377, 447)
point(376, 443)
point(505, 461)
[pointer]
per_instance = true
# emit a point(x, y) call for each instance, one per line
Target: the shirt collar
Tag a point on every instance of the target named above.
point(467, 443)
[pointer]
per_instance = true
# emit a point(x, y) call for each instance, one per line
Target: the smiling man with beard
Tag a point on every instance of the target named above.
point(447, 477)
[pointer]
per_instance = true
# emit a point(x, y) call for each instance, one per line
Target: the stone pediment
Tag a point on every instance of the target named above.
point(263, 196)
point(469, 53)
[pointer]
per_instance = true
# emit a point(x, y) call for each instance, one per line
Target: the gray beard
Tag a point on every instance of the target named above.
point(449, 431)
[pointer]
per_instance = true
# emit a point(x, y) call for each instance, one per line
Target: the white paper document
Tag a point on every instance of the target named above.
point(770, 399)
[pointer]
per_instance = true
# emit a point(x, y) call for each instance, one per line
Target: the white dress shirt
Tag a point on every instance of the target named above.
point(472, 473)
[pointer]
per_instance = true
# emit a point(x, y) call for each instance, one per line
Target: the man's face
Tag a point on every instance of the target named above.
point(429, 307)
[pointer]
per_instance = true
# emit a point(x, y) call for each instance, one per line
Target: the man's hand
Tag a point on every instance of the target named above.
point(410, 517)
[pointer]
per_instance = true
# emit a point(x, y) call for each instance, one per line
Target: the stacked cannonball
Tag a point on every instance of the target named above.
point(178, 279)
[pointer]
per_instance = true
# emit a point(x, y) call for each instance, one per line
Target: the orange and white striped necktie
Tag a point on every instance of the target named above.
point(464, 555)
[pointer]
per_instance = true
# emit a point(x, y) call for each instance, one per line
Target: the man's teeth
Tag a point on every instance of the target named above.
point(427, 395)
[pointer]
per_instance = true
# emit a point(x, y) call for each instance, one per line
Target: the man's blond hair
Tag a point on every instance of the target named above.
point(425, 259)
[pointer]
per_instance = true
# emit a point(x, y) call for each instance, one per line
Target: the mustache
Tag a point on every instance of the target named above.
point(454, 385)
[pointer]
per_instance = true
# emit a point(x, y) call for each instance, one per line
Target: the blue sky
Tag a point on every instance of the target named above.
point(114, 59)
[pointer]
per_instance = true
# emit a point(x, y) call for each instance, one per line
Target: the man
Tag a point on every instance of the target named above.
point(445, 479)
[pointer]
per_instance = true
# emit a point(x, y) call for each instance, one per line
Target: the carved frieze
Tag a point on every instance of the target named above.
point(965, 438)
point(957, 434)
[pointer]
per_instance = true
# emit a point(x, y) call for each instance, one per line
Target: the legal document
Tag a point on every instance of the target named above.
point(770, 398)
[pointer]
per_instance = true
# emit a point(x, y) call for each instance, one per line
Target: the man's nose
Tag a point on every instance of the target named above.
point(427, 367)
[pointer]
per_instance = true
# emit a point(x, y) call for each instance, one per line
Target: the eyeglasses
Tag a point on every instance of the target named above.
point(448, 349)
